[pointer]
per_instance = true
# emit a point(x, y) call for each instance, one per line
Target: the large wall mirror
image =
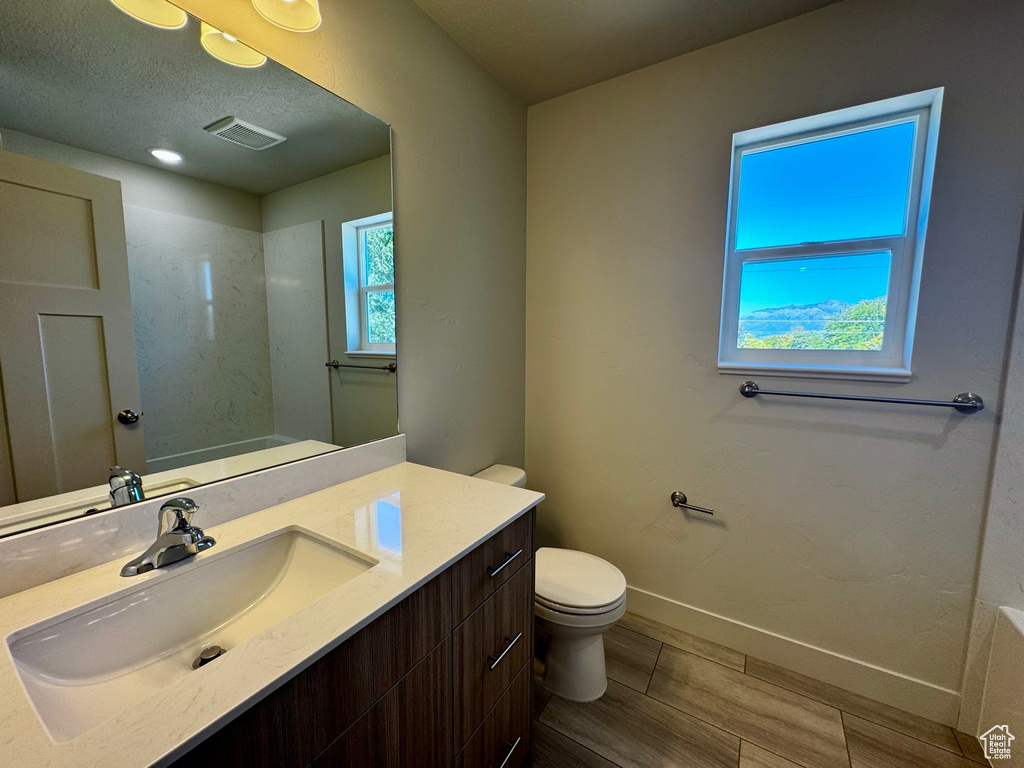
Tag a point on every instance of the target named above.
point(186, 244)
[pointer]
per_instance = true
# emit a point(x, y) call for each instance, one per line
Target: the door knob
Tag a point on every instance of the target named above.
point(128, 416)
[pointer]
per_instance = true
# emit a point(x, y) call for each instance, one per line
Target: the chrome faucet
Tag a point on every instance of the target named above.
point(125, 487)
point(176, 539)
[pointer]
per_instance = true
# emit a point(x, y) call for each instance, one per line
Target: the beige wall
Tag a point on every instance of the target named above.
point(459, 159)
point(845, 536)
point(364, 406)
point(1001, 567)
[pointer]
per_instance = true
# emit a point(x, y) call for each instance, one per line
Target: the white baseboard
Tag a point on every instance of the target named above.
point(887, 686)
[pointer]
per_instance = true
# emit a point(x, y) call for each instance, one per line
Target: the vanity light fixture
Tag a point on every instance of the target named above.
point(168, 156)
point(293, 15)
point(228, 49)
point(156, 13)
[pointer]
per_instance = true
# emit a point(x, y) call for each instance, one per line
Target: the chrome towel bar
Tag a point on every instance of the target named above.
point(965, 402)
point(390, 367)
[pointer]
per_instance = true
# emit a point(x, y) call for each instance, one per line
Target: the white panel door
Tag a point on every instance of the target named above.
point(67, 347)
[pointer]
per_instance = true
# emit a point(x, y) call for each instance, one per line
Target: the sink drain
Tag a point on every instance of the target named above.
point(207, 655)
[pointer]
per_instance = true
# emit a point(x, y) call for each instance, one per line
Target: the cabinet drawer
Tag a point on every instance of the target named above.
point(409, 728)
point(502, 741)
point(490, 648)
point(481, 573)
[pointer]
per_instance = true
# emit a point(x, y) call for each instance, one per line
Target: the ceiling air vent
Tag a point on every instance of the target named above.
point(244, 134)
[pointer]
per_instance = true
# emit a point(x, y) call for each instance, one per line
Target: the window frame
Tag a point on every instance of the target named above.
point(365, 290)
point(356, 290)
point(906, 251)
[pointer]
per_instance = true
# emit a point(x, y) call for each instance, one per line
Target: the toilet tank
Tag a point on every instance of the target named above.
point(504, 474)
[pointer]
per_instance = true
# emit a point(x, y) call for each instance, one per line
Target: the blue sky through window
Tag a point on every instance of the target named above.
point(839, 188)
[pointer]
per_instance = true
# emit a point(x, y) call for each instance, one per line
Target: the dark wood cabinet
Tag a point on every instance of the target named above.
point(483, 571)
point(409, 728)
point(503, 739)
point(491, 646)
point(411, 688)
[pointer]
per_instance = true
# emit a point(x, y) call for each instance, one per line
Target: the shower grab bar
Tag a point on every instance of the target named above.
point(965, 402)
point(390, 367)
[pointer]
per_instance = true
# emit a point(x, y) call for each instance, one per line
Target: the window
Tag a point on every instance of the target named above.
point(369, 253)
point(377, 287)
point(827, 218)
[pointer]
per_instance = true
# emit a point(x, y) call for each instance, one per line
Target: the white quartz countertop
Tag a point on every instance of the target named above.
point(443, 516)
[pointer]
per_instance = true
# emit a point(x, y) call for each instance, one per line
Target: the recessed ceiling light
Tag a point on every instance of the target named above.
point(168, 156)
point(156, 13)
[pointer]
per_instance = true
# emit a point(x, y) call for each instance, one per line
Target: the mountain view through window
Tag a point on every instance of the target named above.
point(850, 187)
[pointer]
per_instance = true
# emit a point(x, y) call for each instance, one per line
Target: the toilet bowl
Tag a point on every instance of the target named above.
point(577, 597)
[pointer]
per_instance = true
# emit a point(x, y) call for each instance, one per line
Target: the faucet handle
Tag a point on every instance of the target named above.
point(176, 515)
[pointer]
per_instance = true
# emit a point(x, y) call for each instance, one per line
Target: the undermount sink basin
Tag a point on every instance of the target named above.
point(90, 664)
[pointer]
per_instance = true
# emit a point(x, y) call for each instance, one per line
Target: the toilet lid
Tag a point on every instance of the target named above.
point(574, 579)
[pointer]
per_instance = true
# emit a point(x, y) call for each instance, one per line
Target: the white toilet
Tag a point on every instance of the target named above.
point(577, 598)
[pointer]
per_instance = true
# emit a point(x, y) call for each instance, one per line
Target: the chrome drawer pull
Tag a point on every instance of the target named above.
point(501, 567)
point(496, 660)
point(511, 751)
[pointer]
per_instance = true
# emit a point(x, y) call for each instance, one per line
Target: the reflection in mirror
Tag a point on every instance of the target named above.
point(185, 248)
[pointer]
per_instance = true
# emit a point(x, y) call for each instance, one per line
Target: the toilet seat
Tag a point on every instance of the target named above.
point(588, 623)
point(577, 583)
point(576, 611)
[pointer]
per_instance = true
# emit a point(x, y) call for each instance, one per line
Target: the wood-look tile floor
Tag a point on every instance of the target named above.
point(675, 700)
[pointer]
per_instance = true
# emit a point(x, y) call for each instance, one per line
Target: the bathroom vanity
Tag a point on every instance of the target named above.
point(446, 670)
point(384, 621)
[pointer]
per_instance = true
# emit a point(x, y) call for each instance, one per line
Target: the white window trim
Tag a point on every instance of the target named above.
point(365, 345)
point(356, 289)
point(892, 362)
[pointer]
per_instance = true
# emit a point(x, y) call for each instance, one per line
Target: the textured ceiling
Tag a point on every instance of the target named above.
point(544, 48)
point(82, 73)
